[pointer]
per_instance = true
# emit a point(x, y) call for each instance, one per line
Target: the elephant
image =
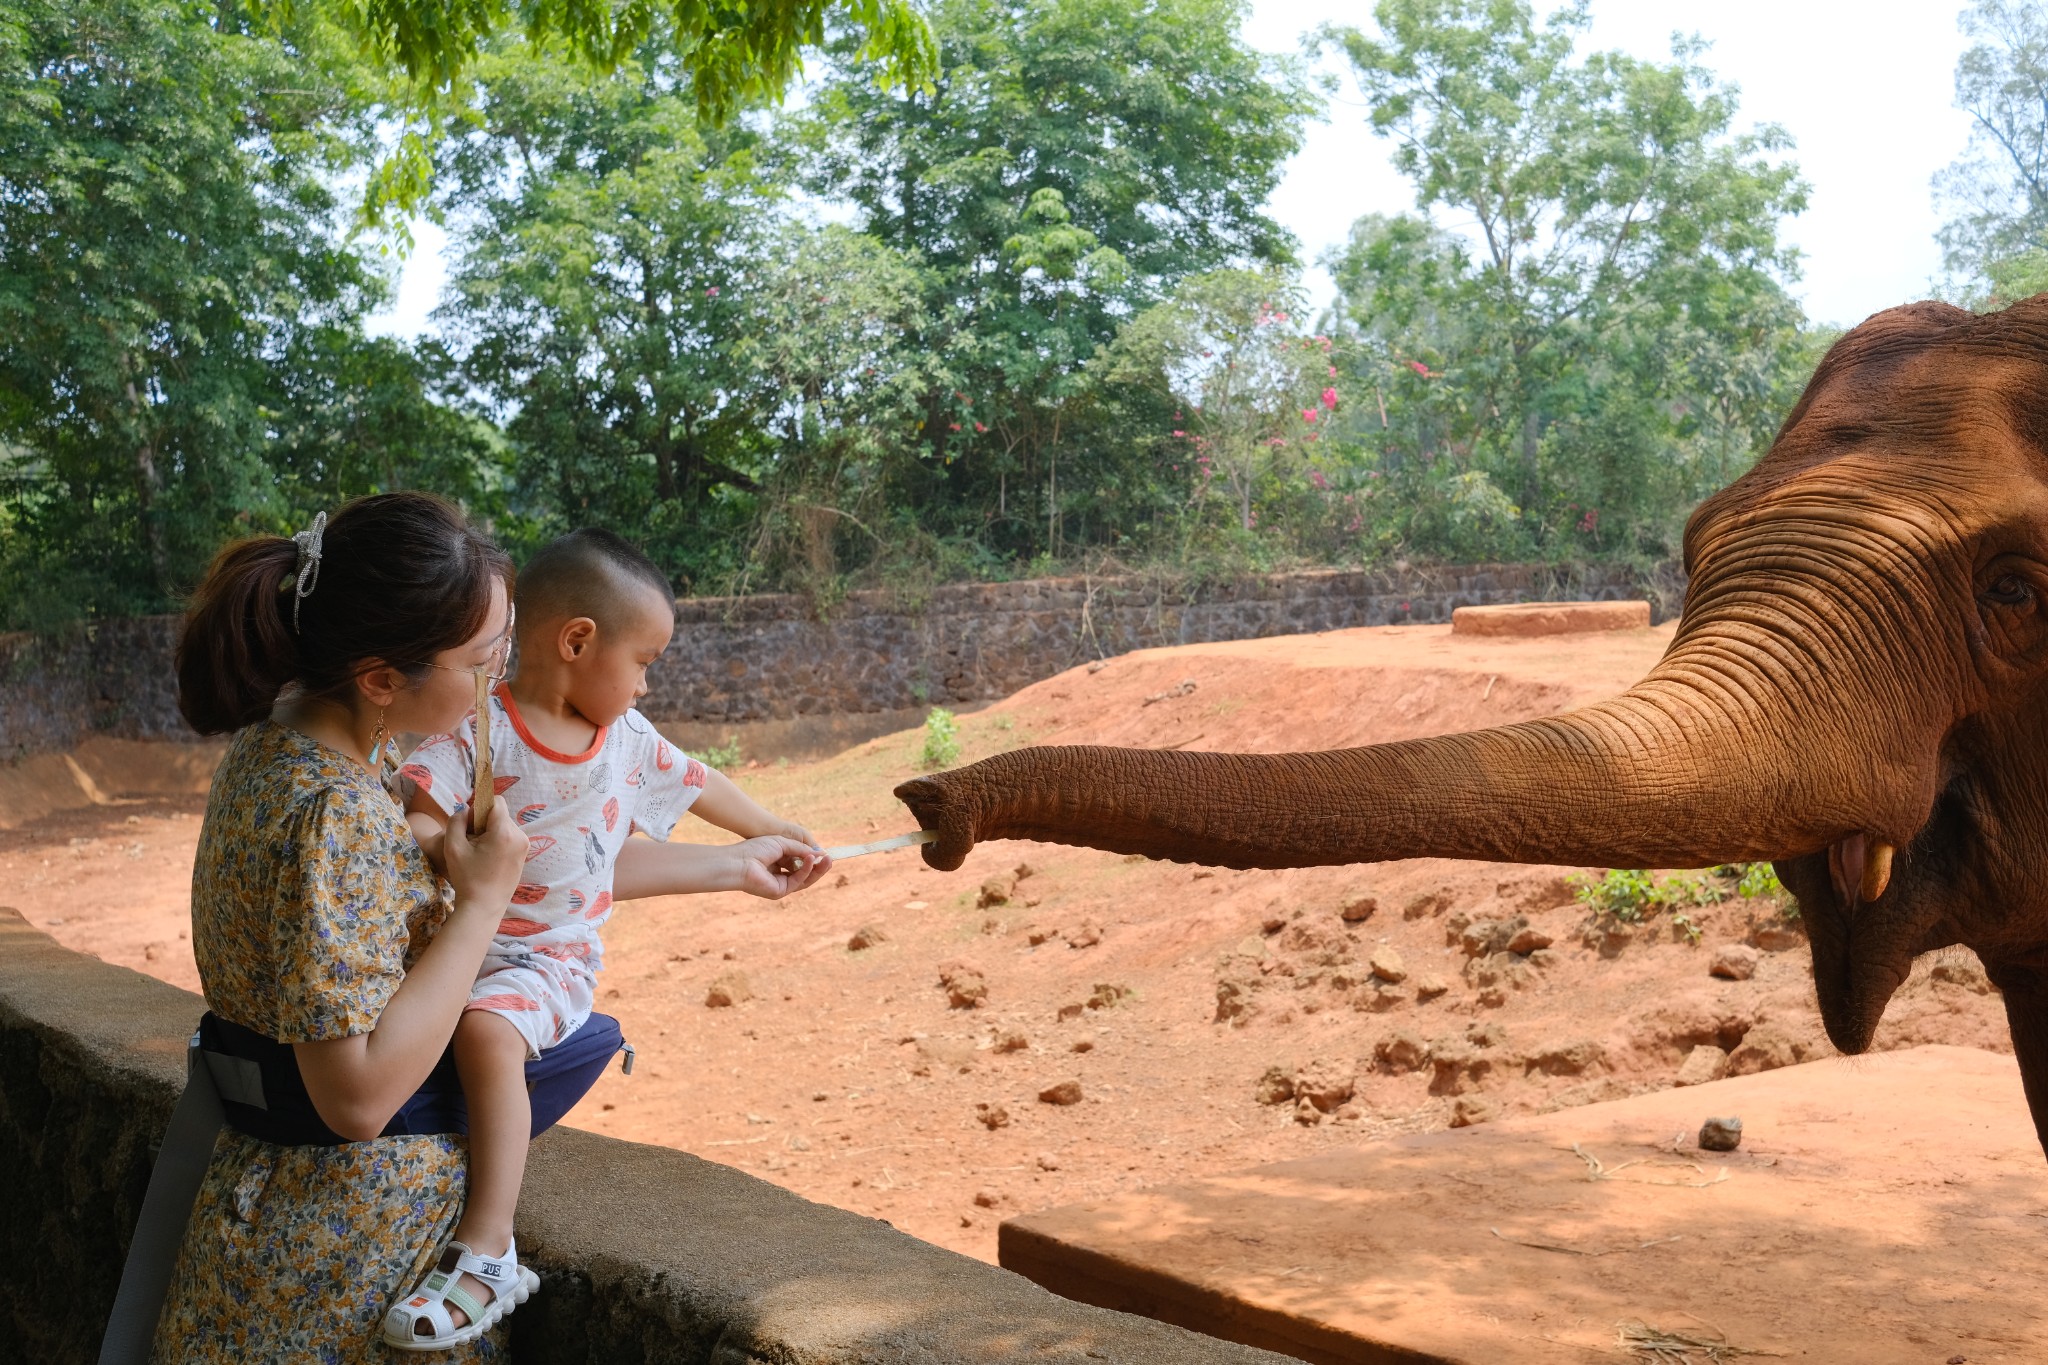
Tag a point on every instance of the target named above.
point(1855, 692)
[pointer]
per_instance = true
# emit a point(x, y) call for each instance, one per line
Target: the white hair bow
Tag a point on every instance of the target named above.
point(308, 542)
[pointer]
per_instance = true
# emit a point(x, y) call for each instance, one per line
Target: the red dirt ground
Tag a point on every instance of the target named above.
point(848, 1078)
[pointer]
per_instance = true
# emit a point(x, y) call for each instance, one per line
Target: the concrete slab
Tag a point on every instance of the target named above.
point(1523, 619)
point(1884, 1209)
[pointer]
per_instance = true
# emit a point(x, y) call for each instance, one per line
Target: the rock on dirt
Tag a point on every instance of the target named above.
point(1573, 1058)
point(1960, 974)
point(1325, 1084)
point(1386, 964)
point(865, 937)
point(1703, 1064)
point(1734, 962)
point(1529, 939)
point(726, 990)
point(994, 891)
point(1087, 936)
point(1108, 995)
point(1276, 1086)
point(992, 1116)
point(1486, 937)
point(1430, 986)
point(1066, 1092)
point(1010, 1040)
point(1359, 909)
point(1764, 1048)
point(986, 1199)
point(1316, 940)
point(1468, 1110)
point(1776, 936)
point(1721, 1135)
point(1401, 1053)
point(964, 985)
point(1426, 904)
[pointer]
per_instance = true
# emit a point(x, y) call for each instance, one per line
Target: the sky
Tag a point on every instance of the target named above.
point(1866, 91)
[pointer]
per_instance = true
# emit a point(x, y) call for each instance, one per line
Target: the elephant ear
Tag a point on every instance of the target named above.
point(944, 802)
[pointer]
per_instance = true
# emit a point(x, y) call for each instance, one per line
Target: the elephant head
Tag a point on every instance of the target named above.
point(1855, 691)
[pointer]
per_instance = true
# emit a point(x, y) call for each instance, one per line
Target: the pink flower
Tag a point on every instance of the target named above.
point(1419, 368)
point(1181, 434)
point(953, 426)
point(1308, 415)
point(712, 292)
point(1315, 476)
point(1329, 398)
point(979, 427)
point(1333, 372)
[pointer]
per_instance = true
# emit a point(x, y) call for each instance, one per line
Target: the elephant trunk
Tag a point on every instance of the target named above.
point(1673, 773)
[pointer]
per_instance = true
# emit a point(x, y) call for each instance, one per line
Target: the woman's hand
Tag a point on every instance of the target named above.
point(485, 870)
point(774, 865)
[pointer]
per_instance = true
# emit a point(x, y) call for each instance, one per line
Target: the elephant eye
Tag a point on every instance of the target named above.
point(2010, 590)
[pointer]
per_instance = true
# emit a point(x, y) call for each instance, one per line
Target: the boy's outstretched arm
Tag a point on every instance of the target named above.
point(770, 866)
point(726, 806)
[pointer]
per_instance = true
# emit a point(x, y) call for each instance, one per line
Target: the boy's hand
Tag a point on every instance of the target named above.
point(773, 866)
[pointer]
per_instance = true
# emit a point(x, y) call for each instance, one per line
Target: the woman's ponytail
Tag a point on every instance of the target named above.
point(391, 579)
point(237, 650)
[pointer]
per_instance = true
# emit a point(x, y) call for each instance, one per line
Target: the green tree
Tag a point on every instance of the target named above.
point(828, 317)
point(1255, 387)
point(167, 235)
point(1071, 161)
point(730, 55)
point(1626, 258)
point(1995, 244)
point(604, 235)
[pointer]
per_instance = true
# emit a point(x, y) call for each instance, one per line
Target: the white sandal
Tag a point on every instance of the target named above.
point(511, 1285)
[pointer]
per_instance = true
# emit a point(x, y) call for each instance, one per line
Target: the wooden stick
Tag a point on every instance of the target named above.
point(923, 836)
point(484, 793)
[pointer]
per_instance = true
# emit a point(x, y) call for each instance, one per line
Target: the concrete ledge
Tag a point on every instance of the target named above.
point(1550, 618)
point(648, 1254)
point(1879, 1210)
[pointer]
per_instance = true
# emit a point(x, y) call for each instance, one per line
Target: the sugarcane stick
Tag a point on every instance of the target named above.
point(484, 793)
point(923, 836)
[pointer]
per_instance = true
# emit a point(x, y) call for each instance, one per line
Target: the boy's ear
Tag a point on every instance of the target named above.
point(575, 638)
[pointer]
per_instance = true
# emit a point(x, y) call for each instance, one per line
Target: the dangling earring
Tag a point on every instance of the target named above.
point(378, 738)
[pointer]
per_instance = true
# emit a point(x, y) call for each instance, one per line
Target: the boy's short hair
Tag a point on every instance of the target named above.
point(585, 573)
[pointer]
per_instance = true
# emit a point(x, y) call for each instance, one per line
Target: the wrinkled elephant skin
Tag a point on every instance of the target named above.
point(1855, 691)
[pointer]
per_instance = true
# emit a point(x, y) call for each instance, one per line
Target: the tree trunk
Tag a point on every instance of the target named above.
point(149, 485)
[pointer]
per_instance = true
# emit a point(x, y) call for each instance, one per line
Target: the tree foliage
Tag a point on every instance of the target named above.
point(1609, 344)
point(1024, 313)
point(1995, 244)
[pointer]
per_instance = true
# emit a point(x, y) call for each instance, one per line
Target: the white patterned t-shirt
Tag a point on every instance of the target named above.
point(577, 810)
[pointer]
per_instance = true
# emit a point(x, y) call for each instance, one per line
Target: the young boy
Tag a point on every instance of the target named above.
point(581, 770)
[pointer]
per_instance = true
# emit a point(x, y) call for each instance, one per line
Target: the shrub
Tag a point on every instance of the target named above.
point(724, 757)
point(1627, 895)
point(941, 739)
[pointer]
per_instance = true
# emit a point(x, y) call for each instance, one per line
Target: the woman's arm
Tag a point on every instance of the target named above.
point(755, 866)
point(723, 804)
point(357, 1083)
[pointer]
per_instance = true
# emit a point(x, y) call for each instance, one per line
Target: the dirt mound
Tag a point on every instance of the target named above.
point(1438, 992)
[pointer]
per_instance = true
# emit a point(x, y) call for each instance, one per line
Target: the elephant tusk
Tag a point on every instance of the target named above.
point(1877, 869)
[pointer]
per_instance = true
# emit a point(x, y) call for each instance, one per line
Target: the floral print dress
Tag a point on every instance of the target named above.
point(309, 899)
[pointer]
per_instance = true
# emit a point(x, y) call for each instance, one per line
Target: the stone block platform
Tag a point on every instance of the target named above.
point(1520, 620)
point(1884, 1209)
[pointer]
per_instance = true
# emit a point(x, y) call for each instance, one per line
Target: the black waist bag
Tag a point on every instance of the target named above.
point(263, 1095)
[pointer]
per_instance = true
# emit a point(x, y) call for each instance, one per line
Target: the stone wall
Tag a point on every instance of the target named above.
point(113, 678)
point(753, 659)
point(760, 658)
point(646, 1255)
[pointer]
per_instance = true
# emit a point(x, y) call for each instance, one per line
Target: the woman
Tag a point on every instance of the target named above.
point(316, 921)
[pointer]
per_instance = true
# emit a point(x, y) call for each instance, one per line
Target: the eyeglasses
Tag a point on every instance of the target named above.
point(501, 655)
